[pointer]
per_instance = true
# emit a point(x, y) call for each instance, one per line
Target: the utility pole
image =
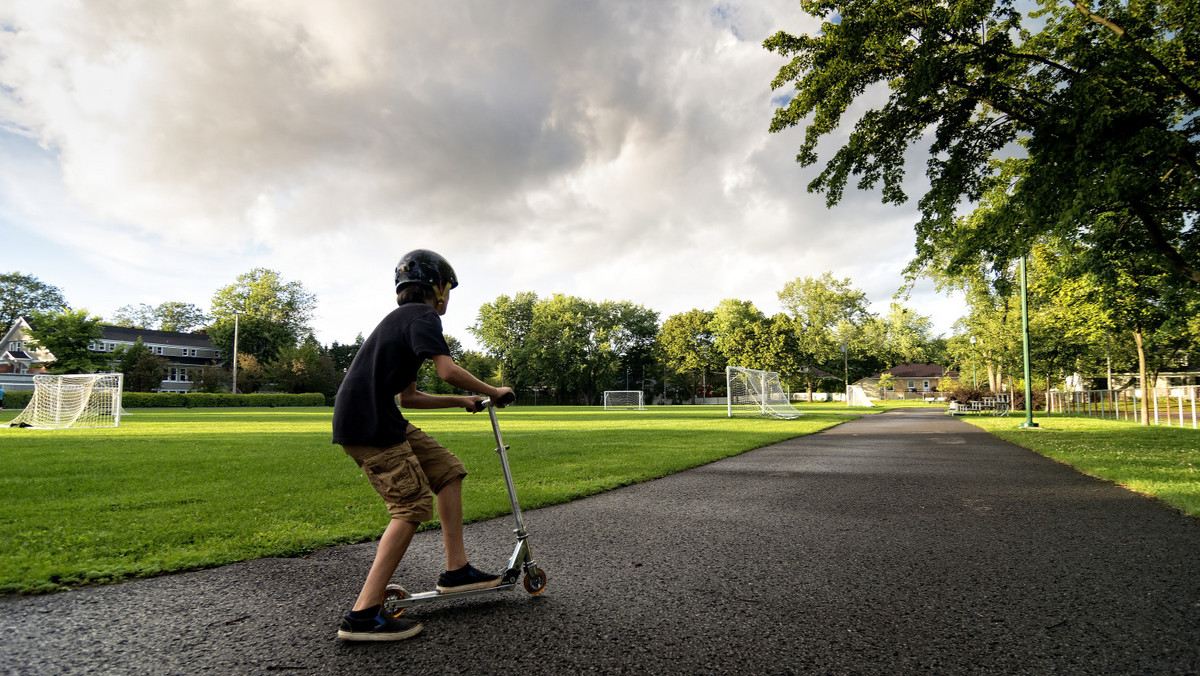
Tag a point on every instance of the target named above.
point(1028, 424)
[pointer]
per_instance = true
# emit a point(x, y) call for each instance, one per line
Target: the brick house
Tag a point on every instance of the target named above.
point(925, 380)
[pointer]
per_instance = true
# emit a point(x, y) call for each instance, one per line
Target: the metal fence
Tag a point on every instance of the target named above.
point(1168, 405)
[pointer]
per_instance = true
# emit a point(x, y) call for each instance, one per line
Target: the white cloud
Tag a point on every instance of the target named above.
point(606, 150)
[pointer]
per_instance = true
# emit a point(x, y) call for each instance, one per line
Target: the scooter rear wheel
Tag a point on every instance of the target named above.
point(535, 581)
point(397, 593)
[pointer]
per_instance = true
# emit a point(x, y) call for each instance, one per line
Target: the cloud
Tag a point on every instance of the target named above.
point(614, 149)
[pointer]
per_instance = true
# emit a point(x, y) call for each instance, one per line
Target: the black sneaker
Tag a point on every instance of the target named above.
point(465, 579)
point(382, 627)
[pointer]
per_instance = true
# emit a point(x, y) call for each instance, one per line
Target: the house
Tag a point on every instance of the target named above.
point(922, 380)
point(186, 353)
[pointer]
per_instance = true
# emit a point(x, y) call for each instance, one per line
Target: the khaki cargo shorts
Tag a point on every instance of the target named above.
point(408, 475)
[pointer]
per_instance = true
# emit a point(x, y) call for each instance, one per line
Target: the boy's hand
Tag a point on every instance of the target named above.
point(501, 392)
point(473, 404)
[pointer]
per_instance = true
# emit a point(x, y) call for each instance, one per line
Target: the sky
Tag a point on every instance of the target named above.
point(154, 151)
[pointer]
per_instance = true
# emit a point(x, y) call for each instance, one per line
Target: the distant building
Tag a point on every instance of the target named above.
point(186, 353)
point(925, 380)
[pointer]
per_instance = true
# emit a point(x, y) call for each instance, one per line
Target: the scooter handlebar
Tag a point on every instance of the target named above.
point(507, 399)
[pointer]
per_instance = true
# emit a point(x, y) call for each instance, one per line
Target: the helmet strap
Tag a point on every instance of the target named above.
point(441, 292)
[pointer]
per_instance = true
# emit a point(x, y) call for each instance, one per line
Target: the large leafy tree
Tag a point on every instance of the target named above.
point(1073, 111)
point(829, 314)
point(24, 295)
point(686, 345)
point(68, 335)
point(502, 328)
point(274, 314)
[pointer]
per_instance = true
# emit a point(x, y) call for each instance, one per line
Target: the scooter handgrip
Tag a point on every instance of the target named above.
point(508, 398)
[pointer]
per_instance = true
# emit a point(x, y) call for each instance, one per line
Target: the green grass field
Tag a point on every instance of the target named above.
point(173, 490)
point(1157, 460)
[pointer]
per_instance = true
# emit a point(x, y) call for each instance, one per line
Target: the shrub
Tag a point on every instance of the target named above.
point(17, 399)
point(210, 400)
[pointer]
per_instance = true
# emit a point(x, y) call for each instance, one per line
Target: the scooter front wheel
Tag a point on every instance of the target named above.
point(535, 581)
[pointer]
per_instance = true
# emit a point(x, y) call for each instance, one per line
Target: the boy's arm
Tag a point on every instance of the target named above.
point(457, 376)
point(461, 378)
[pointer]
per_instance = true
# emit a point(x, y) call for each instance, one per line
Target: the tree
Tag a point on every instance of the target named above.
point(686, 346)
point(1100, 106)
point(251, 374)
point(302, 368)
point(25, 295)
point(179, 317)
point(829, 315)
point(140, 316)
point(144, 371)
point(731, 321)
point(168, 316)
point(343, 355)
point(68, 335)
point(274, 314)
point(503, 327)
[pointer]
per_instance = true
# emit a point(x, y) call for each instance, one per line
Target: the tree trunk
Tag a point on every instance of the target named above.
point(1141, 350)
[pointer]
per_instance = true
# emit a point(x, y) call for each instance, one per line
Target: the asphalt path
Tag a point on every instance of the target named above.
point(897, 543)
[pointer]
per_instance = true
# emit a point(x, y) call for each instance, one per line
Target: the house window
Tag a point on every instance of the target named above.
point(912, 385)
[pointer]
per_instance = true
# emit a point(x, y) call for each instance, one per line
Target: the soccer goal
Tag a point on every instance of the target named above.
point(623, 399)
point(857, 396)
point(757, 393)
point(76, 400)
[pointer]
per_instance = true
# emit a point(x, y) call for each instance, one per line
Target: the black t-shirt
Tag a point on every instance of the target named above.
point(365, 412)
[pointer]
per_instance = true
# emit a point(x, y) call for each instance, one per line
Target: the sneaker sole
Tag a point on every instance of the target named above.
point(468, 587)
point(379, 636)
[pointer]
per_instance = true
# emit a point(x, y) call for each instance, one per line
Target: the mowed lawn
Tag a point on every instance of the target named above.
point(172, 490)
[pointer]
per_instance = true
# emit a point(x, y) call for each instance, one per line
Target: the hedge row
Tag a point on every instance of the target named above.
point(207, 400)
point(17, 399)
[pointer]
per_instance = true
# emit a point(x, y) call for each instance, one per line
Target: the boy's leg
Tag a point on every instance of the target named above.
point(450, 513)
point(392, 545)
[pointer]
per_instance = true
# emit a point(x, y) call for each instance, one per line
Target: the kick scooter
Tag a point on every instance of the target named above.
point(398, 598)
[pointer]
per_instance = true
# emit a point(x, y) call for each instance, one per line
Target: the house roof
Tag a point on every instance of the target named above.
point(130, 335)
point(918, 371)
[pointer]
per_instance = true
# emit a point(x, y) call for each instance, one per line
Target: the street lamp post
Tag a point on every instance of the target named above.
point(1028, 424)
point(233, 389)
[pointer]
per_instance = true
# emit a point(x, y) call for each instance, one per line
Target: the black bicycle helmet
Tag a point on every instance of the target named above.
point(422, 266)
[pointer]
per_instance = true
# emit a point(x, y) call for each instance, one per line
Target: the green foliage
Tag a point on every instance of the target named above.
point(577, 348)
point(274, 314)
point(169, 316)
point(67, 334)
point(144, 371)
point(303, 368)
point(1100, 106)
point(251, 375)
point(26, 295)
point(17, 399)
point(218, 400)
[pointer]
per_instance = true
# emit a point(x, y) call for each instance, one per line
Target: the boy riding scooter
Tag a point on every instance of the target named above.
point(406, 466)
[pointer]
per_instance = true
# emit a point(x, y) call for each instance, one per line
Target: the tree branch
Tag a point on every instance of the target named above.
point(1188, 91)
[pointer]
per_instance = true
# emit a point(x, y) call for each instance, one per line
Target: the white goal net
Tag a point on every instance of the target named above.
point(623, 399)
point(76, 400)
point(757, 393)
point(857, 396)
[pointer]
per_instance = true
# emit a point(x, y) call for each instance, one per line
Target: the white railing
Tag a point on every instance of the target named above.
point(1167, 405)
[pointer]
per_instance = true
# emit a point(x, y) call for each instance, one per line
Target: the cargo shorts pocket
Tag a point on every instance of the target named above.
point(397, 477)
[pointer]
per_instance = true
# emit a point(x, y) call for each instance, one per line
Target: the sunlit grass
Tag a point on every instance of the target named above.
point(173, 490)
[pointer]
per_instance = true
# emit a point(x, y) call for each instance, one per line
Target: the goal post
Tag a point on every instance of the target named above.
point(757, 393)
point(623, 400)
point(73, 401)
